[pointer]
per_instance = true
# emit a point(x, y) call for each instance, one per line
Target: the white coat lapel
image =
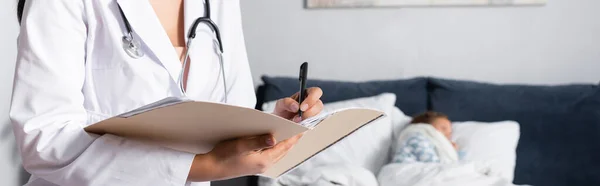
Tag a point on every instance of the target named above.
point(145, 23)
point(204, 66)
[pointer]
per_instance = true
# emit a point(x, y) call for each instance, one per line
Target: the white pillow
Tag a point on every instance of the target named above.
point(368, 147)
point(494, 144)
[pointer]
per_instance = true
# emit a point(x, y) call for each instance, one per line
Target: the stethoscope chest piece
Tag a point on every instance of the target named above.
point(132, 47)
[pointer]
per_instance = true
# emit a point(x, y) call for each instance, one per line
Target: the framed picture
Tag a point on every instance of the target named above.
point(407, 3)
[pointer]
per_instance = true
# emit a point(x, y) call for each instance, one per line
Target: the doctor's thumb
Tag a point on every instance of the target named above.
point(258, 143)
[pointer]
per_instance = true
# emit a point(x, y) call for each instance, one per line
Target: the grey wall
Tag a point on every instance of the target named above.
point(556, 43)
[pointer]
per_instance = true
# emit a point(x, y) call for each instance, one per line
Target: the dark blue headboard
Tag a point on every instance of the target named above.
point(411, 93)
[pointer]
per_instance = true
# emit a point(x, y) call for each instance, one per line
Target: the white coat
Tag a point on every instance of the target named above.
point(72, 71)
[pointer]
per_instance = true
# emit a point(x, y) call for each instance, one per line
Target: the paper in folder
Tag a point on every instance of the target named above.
point(196, 127)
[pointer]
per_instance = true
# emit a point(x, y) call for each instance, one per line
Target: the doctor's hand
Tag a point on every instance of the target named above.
point(311, 106)
point(240, 157)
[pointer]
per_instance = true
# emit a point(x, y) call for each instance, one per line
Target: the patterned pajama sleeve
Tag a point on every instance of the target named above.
point(416, 148)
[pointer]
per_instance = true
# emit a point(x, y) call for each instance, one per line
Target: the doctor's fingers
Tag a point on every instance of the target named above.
point(313, 110)
point(281, 155)
point(244, 145)
point(312, 98)
point(288, 104)
point(279, 150)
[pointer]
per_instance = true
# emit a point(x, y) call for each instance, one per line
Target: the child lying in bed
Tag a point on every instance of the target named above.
point(428, 135)
point(425, 155)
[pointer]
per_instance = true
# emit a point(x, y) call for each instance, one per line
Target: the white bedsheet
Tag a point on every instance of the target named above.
point(330, 175)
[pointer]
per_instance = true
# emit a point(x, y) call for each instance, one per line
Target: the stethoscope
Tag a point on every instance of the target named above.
point(131, 46)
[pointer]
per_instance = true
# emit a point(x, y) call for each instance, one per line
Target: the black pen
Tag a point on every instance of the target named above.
point(302, 94)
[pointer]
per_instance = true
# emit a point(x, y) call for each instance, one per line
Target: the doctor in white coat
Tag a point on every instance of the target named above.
point(73, 70)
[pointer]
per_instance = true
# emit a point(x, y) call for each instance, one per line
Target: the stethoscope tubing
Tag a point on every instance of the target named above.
point(130, 44)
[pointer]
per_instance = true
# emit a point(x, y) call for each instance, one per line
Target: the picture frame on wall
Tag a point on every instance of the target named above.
point(409, 3)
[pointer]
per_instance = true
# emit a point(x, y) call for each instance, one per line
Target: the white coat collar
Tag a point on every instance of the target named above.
point(146, 25)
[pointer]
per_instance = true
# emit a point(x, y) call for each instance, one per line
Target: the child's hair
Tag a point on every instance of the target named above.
point(428, 117)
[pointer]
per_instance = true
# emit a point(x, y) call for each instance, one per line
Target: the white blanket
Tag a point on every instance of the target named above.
point(438, 174)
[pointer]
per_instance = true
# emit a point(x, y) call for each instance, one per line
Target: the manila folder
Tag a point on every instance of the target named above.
point(196, 127)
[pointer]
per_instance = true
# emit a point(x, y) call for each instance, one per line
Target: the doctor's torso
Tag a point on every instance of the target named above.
point(116, 83)
point(72, 71)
